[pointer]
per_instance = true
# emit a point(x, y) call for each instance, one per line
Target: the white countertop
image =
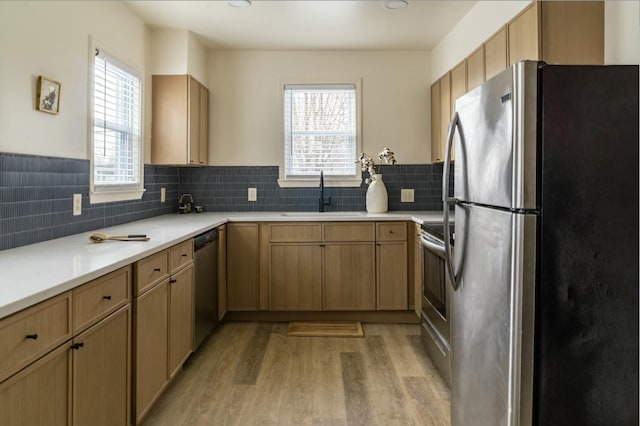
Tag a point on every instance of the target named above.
point(33, 273)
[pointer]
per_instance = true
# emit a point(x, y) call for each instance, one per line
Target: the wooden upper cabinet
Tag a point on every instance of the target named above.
point(445, 114)
point(573, 32)
point(435, 122)
point(475, 68)
point(495, 54)
point(524, 35)
point(458, 84)
point(559, 32)
point(180, 115)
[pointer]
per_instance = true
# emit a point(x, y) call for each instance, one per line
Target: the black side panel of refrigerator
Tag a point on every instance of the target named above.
point(586, 357)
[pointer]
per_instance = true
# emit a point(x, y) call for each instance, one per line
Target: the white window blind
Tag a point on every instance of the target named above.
point(116, 125)
point(320, 129)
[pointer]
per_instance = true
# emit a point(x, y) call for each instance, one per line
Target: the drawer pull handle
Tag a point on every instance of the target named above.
point(32, 336)
point(77, 346)
point(173, 281)
point(184, 255)
point(106, 297)
point(156, 269)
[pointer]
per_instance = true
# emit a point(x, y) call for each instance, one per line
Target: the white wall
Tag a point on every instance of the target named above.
point(622, 32)
point(178, 52)
point(245, 93)
point(480, 23)
point(52, 39)
point(169, 51)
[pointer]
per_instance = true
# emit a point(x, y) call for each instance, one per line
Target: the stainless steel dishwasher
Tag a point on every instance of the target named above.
point(206, 286)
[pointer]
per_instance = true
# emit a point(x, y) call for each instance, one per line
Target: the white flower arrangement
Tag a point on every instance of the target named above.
point(368, 164)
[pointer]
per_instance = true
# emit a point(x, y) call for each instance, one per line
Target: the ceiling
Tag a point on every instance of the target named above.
point(307, 24)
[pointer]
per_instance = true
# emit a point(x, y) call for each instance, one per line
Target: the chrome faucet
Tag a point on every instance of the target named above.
point(322, 202)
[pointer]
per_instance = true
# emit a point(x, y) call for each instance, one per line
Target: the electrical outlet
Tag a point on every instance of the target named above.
point(406, 196)
point(77, 204)
point(252, 194)
point(163, 195)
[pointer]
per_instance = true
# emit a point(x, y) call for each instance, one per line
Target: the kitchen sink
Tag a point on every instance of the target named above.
point(320, 214)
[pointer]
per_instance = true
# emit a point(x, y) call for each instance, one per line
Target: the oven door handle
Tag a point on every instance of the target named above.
point(449, 201)
point(433, 245)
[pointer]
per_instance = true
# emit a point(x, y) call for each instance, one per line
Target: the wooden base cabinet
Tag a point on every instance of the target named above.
point(163, 322)
point(101, 372)
point(243, 280)
point(40, 394)
point(392, 266)
point(349, 276)
point(180, 318)
point(151, 342)
point(296, 277)
point(68, 359)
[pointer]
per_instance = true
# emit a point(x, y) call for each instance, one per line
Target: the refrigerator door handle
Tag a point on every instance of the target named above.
point(449, 201)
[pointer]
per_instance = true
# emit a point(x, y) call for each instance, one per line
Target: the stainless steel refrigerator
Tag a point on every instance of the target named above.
point(545, 307)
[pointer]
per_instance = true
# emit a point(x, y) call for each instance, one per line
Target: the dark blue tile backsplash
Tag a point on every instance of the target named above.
point(36, 194)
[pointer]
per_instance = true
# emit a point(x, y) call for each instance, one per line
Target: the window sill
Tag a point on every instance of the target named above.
point(314, 183)
point(112, 196)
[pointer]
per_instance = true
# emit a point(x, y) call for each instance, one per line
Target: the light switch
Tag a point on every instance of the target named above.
point(77, 204)
point(252, 194)
point(163, 195)
point(406, 196)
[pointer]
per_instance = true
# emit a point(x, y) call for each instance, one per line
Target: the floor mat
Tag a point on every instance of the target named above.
point(325, 329)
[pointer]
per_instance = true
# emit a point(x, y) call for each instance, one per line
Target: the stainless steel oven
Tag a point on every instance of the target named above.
point(436, 299)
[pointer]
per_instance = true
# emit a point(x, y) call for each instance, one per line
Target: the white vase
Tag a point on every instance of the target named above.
point(377, 198)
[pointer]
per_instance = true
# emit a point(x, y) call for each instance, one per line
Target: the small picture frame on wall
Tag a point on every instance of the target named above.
point(48, 95)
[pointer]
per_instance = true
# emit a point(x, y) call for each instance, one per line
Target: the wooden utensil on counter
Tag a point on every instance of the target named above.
point(97, 237)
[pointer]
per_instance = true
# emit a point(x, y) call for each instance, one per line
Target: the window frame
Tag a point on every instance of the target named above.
point(312, 181)
point(115, 192)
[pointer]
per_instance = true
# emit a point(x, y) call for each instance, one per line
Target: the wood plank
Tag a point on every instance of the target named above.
point(251, 359)
point(355, 389)
point(325, 329)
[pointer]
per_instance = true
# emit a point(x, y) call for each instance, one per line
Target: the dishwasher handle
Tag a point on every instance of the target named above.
point(205, 239)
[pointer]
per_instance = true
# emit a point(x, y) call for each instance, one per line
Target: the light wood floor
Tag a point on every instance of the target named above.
point(253, 374)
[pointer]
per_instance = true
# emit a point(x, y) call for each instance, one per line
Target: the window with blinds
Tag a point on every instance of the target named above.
point(116, 145)
point(320, 130)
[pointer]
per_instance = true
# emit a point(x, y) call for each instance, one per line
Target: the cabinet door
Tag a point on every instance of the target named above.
point(40, 394)
point(458, 83)
point(349, 277)
point(180, 318)
point(194, 121)
point(475, 68)
point(573, 32)
point(243, 286)
point(435, 122)
point(495, 54)
point(392, 271)
point(445, 113)
point(169, 127)
point(222, 271)
point(203, 133)
point(296, 277)
point(150, 352)
point(417, 270)
point(101, 372)
point(524, 35)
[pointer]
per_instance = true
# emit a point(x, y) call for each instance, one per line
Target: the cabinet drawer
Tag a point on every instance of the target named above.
point(150, 271)
point(349, 231)
point(295, 232)
point(98, 298)
point(391, 231)
point(27, 335)
point(180, 255)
